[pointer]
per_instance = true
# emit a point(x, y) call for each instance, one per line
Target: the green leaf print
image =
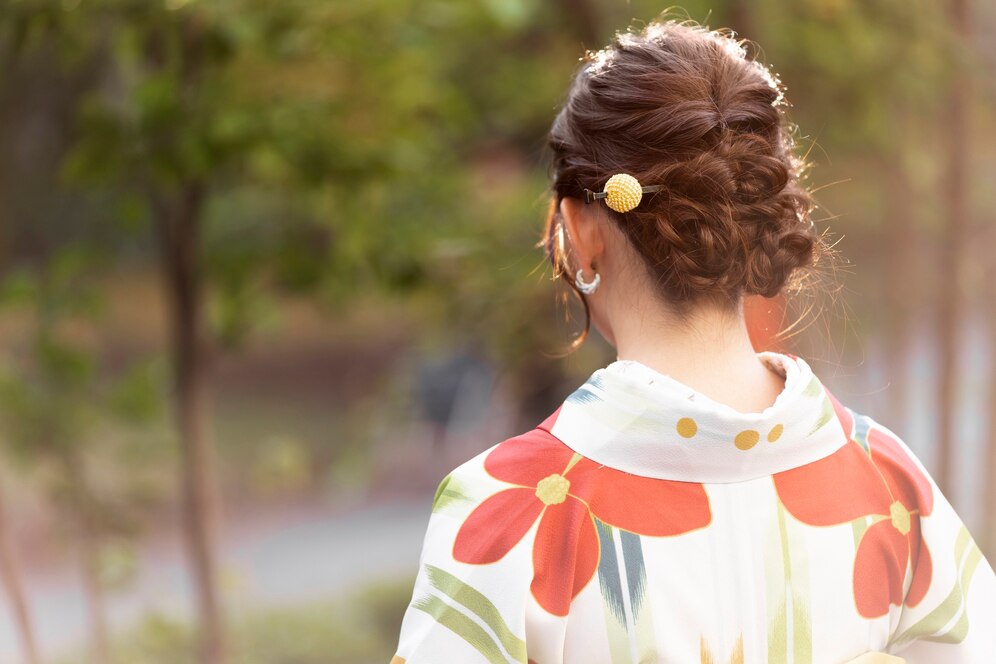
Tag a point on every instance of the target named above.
point(950, 613)
point(789, 592)
point(448, 494)
point(454, 618)
point(462, 626)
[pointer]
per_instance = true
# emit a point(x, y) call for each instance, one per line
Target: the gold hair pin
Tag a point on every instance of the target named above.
point(622, 192)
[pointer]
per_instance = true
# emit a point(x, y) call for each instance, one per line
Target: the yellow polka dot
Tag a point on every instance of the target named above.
point(775, 433)
point(687, 427)
point(747, 439)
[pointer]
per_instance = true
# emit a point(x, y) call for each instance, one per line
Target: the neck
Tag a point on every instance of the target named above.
point(709, 350)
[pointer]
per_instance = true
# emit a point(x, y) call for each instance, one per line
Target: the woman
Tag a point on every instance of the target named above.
point(693, 501)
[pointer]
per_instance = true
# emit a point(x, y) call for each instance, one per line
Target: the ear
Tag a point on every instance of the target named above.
point(583, 225)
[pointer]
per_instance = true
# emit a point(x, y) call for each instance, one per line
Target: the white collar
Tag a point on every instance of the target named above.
point(638, 420)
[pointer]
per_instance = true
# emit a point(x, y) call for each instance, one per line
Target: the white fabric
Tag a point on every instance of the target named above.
point(645, 522)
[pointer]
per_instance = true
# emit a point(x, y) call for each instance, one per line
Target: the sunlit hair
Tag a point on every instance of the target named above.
point(680, 105)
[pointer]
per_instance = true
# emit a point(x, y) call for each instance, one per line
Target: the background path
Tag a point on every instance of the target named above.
point(285, 557)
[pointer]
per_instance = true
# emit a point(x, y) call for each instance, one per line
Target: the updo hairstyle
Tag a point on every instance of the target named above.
point(682, 106)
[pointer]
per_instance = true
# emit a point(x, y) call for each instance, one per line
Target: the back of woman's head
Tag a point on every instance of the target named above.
point(681, 106)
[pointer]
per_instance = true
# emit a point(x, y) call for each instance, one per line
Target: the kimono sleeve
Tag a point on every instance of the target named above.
point(952, 621)
point(469, 612)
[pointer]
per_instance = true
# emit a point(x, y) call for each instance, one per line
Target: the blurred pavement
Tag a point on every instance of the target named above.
point(283, 558)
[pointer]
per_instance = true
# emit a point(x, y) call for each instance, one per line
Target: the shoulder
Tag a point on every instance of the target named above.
point(472, 586)
point(521, 460)
point(481, 529)
point(866, 430)
point(877, 441)
point(872, 474)
point(897, 467)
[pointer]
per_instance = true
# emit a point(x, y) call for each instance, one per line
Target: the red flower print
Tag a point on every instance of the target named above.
point(878, 480)
point(565, 491)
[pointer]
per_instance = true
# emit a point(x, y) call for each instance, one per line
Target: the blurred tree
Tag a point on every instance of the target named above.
point(951, 315)
point(989, 465)
point(180, 115)
point(741, 19)
point(53, 404)
point(10, 578)
point(984, 242)
point(586, 21)
point(879, 66)
point(234, 127)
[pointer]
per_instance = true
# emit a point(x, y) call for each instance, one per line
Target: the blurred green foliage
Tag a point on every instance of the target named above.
point(57, 407)
point(358, 629)
point(397, 145)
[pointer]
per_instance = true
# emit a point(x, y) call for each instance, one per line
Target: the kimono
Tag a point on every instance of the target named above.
point(645, 522)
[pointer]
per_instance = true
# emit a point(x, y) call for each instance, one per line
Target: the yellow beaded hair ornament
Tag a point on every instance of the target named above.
point(622, 192)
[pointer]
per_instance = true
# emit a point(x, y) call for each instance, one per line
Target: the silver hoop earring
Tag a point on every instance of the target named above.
point(587, 287)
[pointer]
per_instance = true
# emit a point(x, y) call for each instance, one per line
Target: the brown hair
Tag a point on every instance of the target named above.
point(682, 106)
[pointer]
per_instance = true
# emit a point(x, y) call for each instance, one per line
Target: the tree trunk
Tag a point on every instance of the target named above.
point(179, 236)
point(93, 592)
point(81, 512)
point(10, 577)
point(989, 479)
point(956, 203)
point(742, 20)
point(585, 21)
point(900, 263)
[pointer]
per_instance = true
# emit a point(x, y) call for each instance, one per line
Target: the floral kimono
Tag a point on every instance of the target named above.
point(645, 522)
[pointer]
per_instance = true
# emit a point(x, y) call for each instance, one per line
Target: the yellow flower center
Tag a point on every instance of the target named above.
point(552, 490)
point(900, 517)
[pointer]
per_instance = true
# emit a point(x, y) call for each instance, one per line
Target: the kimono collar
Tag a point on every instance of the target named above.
point(633, 418)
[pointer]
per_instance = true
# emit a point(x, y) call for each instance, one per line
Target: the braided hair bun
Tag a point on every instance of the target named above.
point(681, 106)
